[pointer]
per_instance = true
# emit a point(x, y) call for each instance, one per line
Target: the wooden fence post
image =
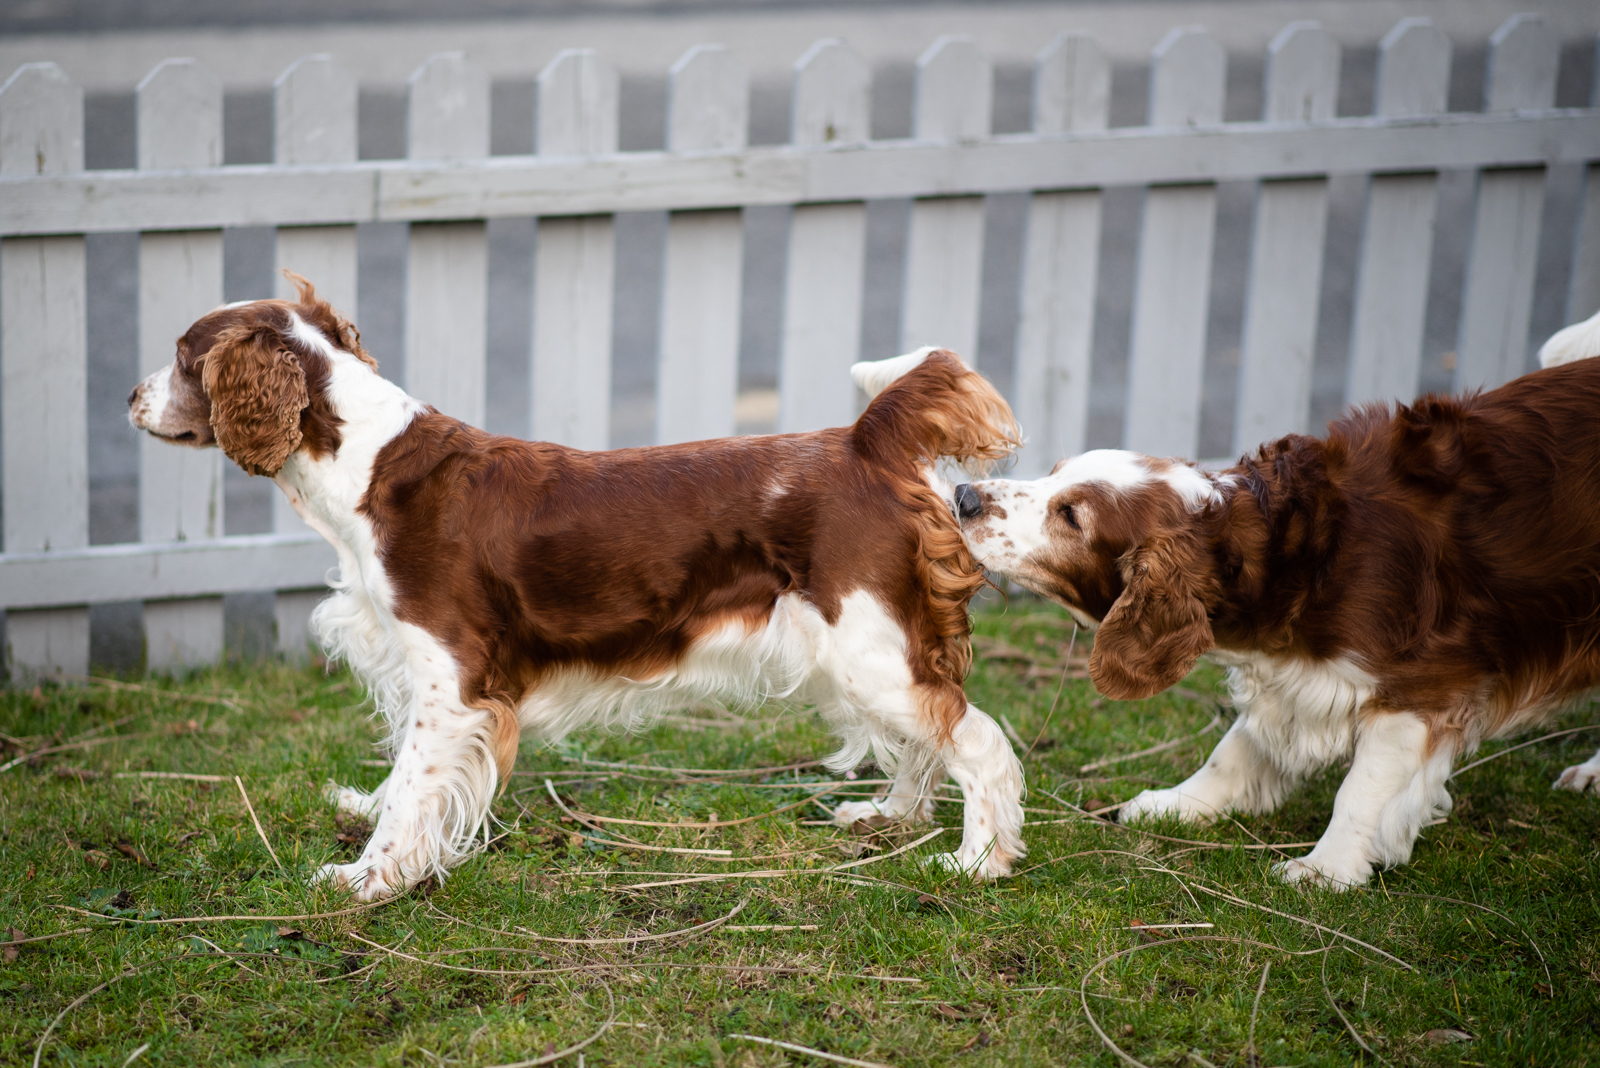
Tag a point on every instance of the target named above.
point(1061, 265)
point(708, 109)
point(1492, 344)
point(1166, 352)
point(944, 249)
point(314, 105)
point(575, 262)
point(447, 272)
point(1397, 236)
point(43, 361)
point(1583, 293)
point(180, 279)
point(1285, 285)
point(827, 249)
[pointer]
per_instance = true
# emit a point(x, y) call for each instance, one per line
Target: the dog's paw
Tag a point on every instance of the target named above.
point(349, 799)
point(850, 811)
point(1579, 777)
point(365, 881)
point(1313, 871)
point(1153, 804)
point(980, 868)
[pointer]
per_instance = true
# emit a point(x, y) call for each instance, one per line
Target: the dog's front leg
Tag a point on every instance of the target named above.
point(438, 794)
point(1238, 776)
point(1395, 786)
point(981, 761)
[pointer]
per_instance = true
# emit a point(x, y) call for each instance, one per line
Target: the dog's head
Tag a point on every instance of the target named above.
point(1111, 536)
point(250, 378)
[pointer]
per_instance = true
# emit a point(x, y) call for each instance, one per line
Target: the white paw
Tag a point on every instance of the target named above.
point(1152, 804)
point(349, 799)
point(366, 881)
point(850, 811)
point(1333, 873)
point(981, 867)
point(1579, 777)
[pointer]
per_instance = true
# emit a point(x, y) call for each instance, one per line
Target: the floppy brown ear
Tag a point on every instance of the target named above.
point(258, 390)
point(1158, 628)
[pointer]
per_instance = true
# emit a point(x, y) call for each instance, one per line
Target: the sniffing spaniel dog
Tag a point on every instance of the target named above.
point(1422, 579)
point(489, 586)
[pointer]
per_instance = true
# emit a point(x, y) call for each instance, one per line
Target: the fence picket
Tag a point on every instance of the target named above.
point(314, 105)
point(1583, 293)
point(180, 279)
point(1173, 286)
point(43, 361)
point(1498, 299)
point(575, 262)
point(1391, 297)
point(944, 248)
point(697, 380)
point(1280, 328)
point(827, 249)
point(447, 268)
point(1050, 382)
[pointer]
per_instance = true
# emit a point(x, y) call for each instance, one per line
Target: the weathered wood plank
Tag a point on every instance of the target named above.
point(180, 279)
point(827, 249)
point(315, 116)
point(944, 248)
point(447, 274)
point(1397, 235)
point(1173, 285)
point(1492, 345)
point(137, 571)
point(1280, 327)
point(1583, 293)
point(575, 263)
point(1060, 275)
point(43, 366)
point(698, 370)
point(403, 190)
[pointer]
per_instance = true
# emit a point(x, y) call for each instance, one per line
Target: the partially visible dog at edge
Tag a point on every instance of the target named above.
point(489, 586)
point(1422, 579)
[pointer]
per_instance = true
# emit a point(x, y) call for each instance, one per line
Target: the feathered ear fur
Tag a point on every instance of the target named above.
point(258, 390)
point(1158, 628)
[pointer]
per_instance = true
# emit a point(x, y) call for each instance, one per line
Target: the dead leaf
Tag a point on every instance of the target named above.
point(353, 829)
point(978, 1041)
point(15, 934)
point(81, 774)
point(290, 933)
point(127, 849)
point(1543, 990)
point(950, 1012)
point(1127, 1029)
point(1441, 1035)
point(97, 858)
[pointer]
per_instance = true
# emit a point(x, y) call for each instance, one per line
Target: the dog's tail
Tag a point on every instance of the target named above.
point(1580, 341)
point(927, 405)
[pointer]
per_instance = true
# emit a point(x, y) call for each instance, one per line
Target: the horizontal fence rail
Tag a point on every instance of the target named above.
point(179, 199)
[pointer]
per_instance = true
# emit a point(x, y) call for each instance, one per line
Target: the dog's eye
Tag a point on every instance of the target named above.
point(1065, 512)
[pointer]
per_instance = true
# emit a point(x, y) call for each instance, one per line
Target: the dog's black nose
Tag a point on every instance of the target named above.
point(133, 396)
point(968, 503)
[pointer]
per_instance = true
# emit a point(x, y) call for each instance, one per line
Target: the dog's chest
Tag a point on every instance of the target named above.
point(1301, 711)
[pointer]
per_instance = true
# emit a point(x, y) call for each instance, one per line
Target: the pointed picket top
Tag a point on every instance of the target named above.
point(41, 122)
point(708, 101)
point(832, 96)
point(179, 116)
point(1302, 75)
point(1413, 70)
point(1523, 57)
point(1071, 85)
point(579, 101)
point(1188, 70)
point(314, 108)
point(955, 92)
point(447, 110)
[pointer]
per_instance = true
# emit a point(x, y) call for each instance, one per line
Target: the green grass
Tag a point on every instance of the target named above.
point(997, 967)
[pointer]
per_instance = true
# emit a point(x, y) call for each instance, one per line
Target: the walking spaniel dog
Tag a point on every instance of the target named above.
point(489, 586)
point(1422, 579)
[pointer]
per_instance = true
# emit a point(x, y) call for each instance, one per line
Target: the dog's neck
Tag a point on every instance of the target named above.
point(327, 492)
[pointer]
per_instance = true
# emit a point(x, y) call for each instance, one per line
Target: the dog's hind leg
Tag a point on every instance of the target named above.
point(1396, 785)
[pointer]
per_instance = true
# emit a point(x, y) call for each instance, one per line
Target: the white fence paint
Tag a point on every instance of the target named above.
point(178, 199)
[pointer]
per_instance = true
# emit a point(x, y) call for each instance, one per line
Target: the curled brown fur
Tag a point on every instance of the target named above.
point(258, 390)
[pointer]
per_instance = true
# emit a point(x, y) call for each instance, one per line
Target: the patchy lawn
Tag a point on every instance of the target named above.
point(888, 961)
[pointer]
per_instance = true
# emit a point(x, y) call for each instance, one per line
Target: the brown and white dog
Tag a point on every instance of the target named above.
point(489, 586)
point(1422, 579)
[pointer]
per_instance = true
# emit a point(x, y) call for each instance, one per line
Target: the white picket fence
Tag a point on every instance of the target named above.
point(180, 197)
